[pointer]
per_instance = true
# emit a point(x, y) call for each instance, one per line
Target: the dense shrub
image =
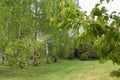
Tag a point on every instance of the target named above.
point(85, 52)
point(84, 56)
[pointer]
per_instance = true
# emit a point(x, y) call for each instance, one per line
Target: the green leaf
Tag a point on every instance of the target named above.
point(103, 10)
point(108, 1)
point(112, 24)
point(97, 12)
point(101, 1)
point(97, 5)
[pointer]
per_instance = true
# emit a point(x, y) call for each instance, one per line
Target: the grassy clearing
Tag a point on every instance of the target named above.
point(63, 70)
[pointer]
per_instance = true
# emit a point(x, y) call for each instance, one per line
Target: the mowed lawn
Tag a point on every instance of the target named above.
point(63, 70)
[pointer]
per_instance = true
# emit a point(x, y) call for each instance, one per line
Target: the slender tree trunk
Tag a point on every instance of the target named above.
point(35, 53)
point(19, 63)
point(35, 58)
point(47, 53)
point(7, 33)
point(1, 58)
point(35, 37)
point(27, 61)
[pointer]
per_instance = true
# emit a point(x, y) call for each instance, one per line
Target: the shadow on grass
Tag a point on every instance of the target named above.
point(6, 72)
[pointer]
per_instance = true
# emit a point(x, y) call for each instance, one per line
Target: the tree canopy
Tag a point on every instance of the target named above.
point(27, 26)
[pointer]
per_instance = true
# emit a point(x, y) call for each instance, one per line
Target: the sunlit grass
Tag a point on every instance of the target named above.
point(63, 70)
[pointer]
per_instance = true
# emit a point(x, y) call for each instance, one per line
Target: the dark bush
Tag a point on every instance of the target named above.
point(89, 56)
point(84, 56)
point(86, 52)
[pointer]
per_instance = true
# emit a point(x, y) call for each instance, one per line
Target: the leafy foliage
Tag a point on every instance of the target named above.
point(86, 52)
point(97, 26)
point(22, 21)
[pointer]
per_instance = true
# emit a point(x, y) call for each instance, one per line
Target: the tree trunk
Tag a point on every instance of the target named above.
point(1, 58)
point(35, 53)
point(47, 53)
point(54, 59)
point(27, 61)
point(35, 58)
point(35, 36)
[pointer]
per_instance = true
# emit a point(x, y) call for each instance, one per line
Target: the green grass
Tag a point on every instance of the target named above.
point(63, 70)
